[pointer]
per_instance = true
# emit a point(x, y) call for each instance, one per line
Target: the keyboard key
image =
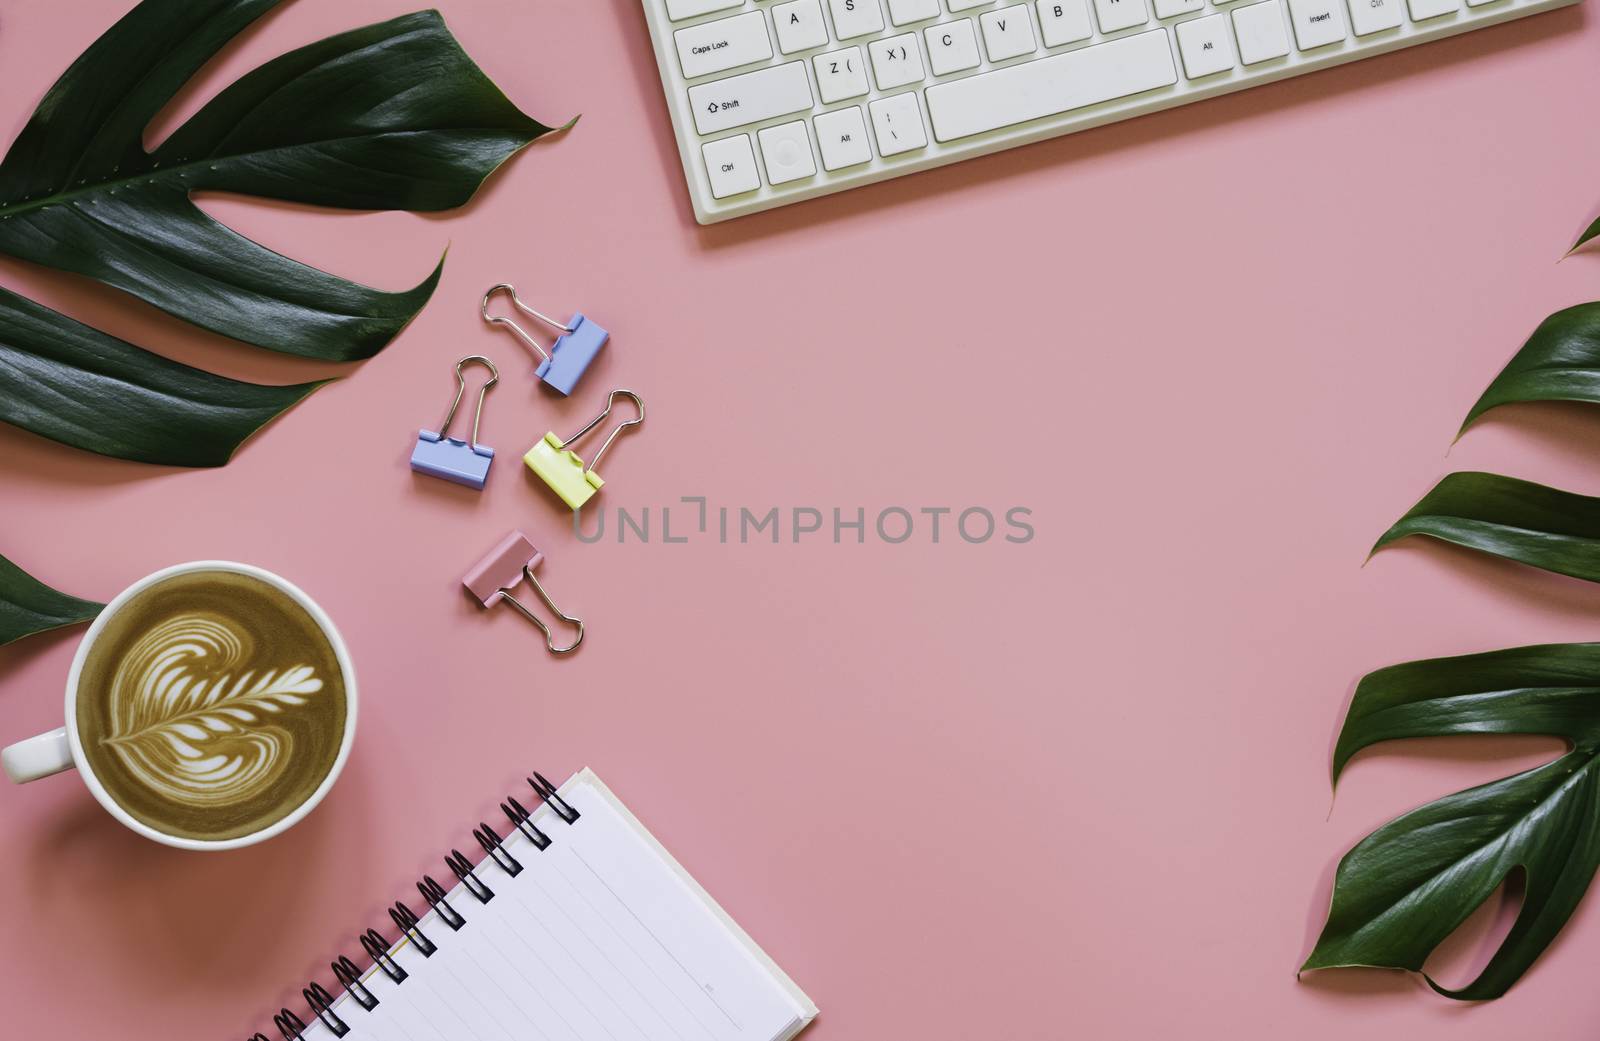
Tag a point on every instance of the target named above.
point(787, 151)
point(800, 26)
point(904, 12)
point(678, 10)
point(731, 166)
point(1064, 21)
point(1120, 14)
point(852, 18)
point(750, 97)
point(1424, 9)
point(952, 47)
point(841, 74)
point(1372, 16)
point(897, 123)
point(957, 6)
point(1051, 85)
point(1173, 8)
point(1317, 23)
point(724, 44)
point(842, 136)
point(896, 61)
point(1205, 46)
point(1260, 30)
point(1007, 33)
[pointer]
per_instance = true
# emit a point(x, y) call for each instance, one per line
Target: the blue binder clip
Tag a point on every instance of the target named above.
point(440, 455)
point(579, 342)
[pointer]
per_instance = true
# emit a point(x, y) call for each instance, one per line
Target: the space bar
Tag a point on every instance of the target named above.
point(1050, 86)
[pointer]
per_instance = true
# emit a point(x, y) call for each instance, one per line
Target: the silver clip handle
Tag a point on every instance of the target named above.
point(549, 638)
point(461, 389)
point(611, 400)
point(517, 330)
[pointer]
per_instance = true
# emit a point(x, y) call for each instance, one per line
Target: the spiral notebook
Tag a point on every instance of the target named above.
point(577, 925)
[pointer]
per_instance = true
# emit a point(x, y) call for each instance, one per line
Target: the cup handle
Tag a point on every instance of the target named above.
point(37, 757)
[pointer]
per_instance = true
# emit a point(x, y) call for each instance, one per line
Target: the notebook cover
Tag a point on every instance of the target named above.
point(808, 1007)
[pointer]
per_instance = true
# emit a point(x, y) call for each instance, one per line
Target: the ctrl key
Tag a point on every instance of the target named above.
point(731, 166)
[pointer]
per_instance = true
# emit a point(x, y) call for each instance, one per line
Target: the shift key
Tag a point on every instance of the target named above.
point(750, 98)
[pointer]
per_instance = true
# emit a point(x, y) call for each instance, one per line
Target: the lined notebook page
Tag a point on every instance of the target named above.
point(601, 937)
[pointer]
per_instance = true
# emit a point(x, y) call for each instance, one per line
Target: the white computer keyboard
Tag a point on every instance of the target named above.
point(775, 101)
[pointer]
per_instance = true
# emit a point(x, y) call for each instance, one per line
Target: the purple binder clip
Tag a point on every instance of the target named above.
point(440, 455)
point(501, 569)
point(579, 342)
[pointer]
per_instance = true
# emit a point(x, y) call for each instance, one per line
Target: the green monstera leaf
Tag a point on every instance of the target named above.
point(83, 388)
point(392, 116)
point(1518, 520)
point(28, 606)
point(1408, 885)
point(1590, 233)
point(1560, 362)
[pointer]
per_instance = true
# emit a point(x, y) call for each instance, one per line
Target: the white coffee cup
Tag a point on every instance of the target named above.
point(62, 748)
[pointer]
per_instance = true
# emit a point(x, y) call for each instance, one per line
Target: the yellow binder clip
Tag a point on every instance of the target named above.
point(563, 470)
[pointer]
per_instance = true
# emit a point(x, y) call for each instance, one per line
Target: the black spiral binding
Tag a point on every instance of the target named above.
point(405, 920)
point(321, 1002)
point(459, 863)
point(350, 978)
point(552, 798)
point(522, 820)
point(377, 949)
point(286, 1022)
point(433, 893)
point(489, 839)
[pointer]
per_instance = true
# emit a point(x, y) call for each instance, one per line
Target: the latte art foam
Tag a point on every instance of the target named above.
point(211, 706)
point(192, 721)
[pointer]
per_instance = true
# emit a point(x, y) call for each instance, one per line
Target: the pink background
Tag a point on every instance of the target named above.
point(957, 791)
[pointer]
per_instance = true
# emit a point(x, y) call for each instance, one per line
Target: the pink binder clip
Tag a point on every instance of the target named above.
point(501, 569)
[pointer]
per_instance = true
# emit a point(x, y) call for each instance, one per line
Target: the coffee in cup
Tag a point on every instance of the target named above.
point(211, 705)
